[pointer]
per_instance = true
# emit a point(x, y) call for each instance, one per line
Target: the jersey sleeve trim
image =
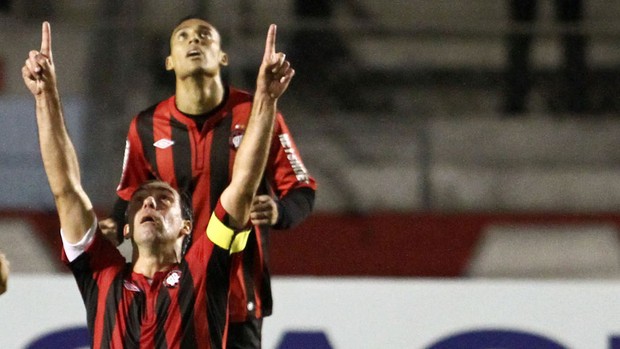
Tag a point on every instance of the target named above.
point(73, 251)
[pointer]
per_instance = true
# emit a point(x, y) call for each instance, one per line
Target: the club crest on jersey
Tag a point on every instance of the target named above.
point(173, 278)
point(236, 136)
point(131, 286)
point(163, 143)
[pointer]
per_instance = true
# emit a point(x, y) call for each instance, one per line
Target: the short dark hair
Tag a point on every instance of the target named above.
point(187, 213)
point(198, 17)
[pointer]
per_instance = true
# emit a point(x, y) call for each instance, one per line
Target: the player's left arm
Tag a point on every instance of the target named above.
point(283, 213)
point(293, 186)
point(275, 74)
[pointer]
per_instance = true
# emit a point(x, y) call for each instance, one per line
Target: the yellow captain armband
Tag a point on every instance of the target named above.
point(225, 237)
point(239, 241)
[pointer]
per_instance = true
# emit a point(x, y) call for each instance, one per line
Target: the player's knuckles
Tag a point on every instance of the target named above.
point(43, 62)
point(283, 70)
point(30, 67)
point(26, 71)
point(270, 67)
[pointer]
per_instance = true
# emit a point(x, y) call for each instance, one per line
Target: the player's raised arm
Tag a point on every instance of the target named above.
point(274, 76)
point(59, 157)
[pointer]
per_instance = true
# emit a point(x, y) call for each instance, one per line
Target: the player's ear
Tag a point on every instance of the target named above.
point(223, 58)
point(126, 232)
point(169, 63)
point(186, 228)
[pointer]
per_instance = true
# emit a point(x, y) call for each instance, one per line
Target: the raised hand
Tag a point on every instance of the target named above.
point(275, 72)
point(38, 71)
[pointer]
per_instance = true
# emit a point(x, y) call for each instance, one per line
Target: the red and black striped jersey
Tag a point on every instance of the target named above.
point(163, 143)
point(172, 310)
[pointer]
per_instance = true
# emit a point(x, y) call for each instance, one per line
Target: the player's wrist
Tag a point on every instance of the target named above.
point(47, 93)
point(264, 98)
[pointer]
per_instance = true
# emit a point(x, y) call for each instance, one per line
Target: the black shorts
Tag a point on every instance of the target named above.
point(245, 335)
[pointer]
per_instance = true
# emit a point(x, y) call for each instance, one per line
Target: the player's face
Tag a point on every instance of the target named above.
point(195, 49)
point(155, 214)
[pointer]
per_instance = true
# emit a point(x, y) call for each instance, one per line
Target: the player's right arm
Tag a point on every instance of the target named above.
point(59, 157)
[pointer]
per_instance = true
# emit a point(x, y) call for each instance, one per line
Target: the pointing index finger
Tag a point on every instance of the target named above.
point(270, 43)
point(46, 40)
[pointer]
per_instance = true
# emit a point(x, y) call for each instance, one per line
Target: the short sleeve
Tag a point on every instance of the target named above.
point(73, 251)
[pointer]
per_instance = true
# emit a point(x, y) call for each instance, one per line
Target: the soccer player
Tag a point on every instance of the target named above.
point(158, 300)
point(4, 273)
point(190, 140)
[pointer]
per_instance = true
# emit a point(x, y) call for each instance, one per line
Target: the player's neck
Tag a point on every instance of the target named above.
point(148, 262)
point(199, 96)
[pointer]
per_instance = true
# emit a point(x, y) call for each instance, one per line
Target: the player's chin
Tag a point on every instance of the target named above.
point(147, 232)
point(200, 69)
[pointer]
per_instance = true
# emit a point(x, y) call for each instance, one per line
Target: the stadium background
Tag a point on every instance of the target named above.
point(398, 113)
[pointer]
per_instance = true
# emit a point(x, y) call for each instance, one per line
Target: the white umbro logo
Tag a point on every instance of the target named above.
point(163, 143)
point(131, 286)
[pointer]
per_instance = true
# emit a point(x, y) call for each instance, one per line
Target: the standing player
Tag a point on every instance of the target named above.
point(160, 300)
point(190, 141)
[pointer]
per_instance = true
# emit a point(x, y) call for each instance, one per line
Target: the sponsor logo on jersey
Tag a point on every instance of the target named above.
point(173, 278)
point(163, 143)
point(298, 166)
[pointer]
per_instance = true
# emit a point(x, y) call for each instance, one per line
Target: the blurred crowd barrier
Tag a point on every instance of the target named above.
point(336, 313)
